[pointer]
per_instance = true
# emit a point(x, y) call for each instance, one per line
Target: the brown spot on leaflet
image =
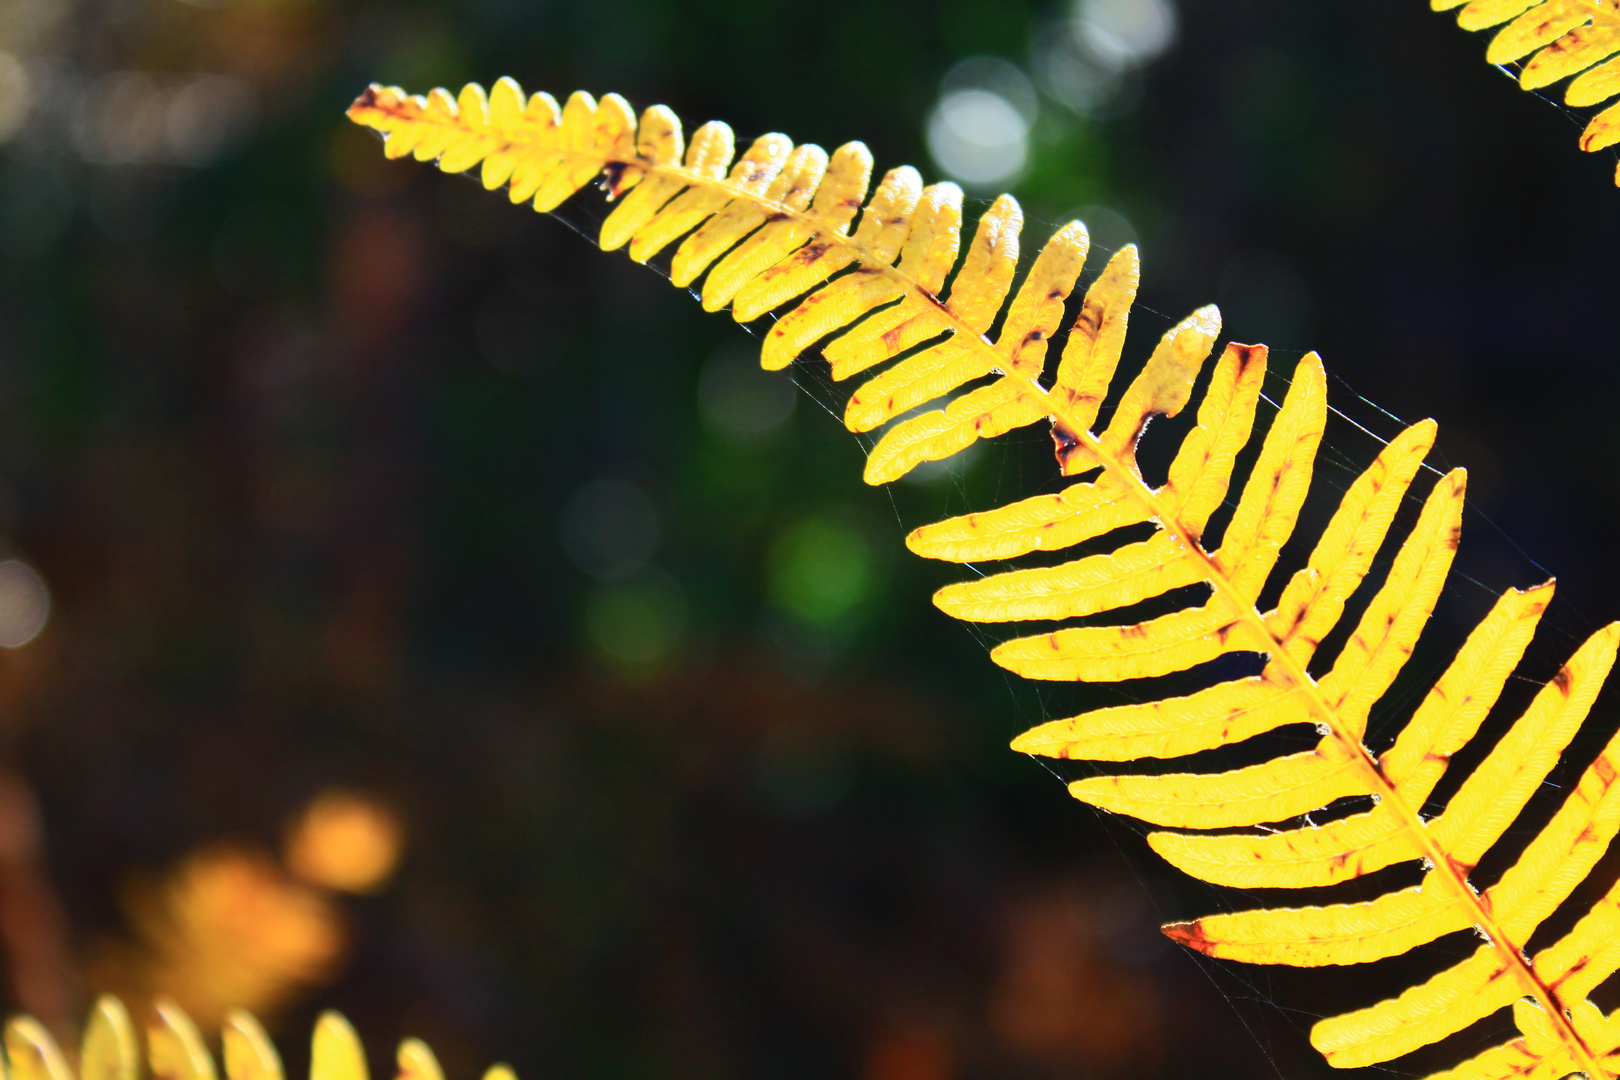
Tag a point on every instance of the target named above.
point(1246, 354)
point(1066, 443)
point(1190, 934)
point(366, 100)
point(612, 176)
point(1605, 769)
point(1575, 969)
point(1089, 321)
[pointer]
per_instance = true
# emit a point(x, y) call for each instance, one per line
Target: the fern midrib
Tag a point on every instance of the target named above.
point(1060, 411)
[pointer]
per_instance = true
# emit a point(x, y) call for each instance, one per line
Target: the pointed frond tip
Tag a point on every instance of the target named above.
point(861, 279)
point(176, 1050)
point(1554, 40)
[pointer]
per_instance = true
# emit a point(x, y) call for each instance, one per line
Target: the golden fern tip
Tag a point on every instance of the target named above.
point(789, 229)
point(1568, 38)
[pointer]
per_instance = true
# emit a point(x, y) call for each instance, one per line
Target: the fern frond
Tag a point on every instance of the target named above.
point(776, 226)
point(1567, 37)
point(176, 1050)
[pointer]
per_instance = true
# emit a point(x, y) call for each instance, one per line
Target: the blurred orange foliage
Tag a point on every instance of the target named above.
point(1061, 999)
point(345, 842)
point(227, 928)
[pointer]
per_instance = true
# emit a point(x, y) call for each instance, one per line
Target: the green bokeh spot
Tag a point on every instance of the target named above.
point(820, 571)
point(637, 622)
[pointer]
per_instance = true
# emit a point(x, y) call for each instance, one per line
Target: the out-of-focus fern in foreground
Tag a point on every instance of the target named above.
point(175, 1050)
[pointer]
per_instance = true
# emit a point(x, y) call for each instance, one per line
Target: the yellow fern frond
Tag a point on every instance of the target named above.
point(787, 222)
point(1567, 37)
point(176, 1050)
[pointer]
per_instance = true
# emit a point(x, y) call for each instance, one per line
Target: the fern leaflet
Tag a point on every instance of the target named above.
point(776, 225)
point(1568, 37)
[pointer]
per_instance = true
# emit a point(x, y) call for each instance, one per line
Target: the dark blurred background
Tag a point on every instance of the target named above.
point(419, 613)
